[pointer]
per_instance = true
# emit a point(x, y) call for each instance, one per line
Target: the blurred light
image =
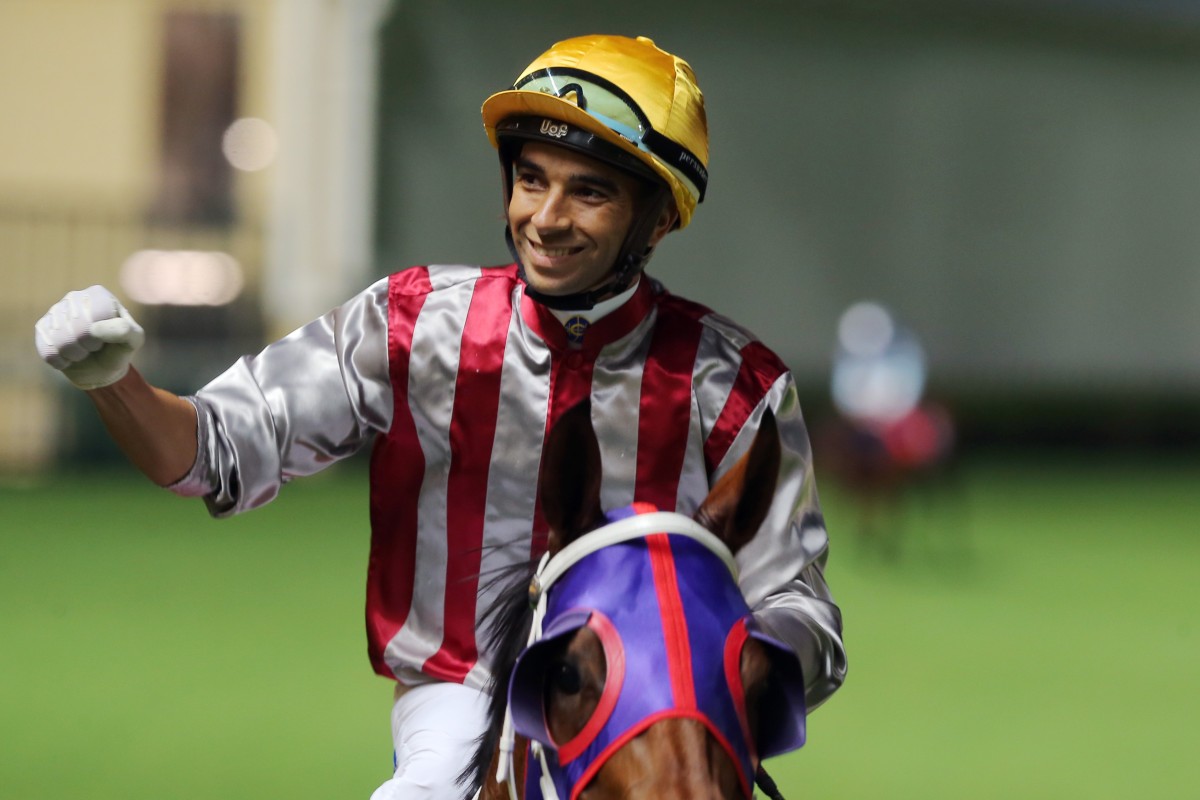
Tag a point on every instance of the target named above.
point(250, 144)
point(181, 278)
point(879, 368)
point(865, 329)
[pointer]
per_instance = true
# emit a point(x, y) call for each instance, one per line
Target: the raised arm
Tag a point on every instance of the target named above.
point(154, 428)
point(91, 338)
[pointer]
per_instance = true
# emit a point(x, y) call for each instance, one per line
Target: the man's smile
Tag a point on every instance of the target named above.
point(553, 252)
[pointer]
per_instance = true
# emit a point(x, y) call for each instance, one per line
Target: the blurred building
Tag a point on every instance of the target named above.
point(1019, 178)
point(202, 158)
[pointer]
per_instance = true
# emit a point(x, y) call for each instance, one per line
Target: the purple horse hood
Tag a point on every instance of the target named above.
point(672, 623)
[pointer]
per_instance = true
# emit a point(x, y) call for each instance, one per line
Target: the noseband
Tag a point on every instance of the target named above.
point(612, 581)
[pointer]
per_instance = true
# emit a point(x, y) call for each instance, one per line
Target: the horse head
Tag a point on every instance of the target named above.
point(645, 675)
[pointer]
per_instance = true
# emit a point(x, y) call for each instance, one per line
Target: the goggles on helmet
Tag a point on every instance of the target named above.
point(608, 104)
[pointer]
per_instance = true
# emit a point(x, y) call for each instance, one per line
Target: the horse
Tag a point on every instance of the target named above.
point(886, 465)
point(628, 664)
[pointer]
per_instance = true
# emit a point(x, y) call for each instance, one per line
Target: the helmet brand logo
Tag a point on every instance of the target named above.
point(549, 128)
point(691, 161)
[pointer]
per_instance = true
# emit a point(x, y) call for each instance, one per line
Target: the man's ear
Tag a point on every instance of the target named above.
point(667, 220)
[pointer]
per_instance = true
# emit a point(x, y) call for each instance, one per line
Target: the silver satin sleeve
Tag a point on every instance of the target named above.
point(783, 568)
point(310, 399)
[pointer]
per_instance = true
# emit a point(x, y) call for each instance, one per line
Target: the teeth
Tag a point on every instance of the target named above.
point(552, 251)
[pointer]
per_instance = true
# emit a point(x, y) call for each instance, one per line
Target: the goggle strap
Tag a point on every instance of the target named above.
point(678, 157)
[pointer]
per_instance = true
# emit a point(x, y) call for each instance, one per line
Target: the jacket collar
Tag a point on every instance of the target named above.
point(604, 331)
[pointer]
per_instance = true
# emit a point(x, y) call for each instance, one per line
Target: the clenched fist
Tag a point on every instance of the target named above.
point(90, 337)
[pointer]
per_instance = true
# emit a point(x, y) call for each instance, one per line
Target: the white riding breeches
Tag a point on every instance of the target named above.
point(434, 731)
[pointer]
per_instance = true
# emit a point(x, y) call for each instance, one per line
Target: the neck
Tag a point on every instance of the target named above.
point(600, 310)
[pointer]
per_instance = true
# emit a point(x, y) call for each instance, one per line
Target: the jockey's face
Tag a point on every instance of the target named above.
point(569, 216)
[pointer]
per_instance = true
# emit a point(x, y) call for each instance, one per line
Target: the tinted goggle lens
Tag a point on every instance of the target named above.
point(609, 106)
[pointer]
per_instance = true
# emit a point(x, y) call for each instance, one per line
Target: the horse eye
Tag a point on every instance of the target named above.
point(565, 678)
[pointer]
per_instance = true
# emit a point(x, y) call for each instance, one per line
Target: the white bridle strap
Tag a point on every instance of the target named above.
point(551, 569)
point(624, 530)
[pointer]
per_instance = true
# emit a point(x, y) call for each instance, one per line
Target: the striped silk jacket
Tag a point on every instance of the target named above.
point(455, 376)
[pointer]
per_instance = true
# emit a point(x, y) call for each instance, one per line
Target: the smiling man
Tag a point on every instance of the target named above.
point(453, 375)
point(568, 218)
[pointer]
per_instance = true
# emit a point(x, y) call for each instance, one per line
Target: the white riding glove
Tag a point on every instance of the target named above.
point(90, 337)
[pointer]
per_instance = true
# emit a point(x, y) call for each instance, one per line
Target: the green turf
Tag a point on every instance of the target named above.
point(1034, 636)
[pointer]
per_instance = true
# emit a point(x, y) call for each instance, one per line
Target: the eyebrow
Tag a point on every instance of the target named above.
point(590, 178)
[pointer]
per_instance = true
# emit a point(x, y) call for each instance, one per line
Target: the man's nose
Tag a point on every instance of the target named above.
point(551, 212)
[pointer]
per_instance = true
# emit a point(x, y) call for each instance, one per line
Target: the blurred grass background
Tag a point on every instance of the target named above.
point(1031, 634)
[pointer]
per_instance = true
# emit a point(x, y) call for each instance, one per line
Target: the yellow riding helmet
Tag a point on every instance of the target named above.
point(628, 92)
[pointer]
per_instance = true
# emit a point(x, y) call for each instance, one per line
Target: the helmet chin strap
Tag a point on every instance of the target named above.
point(635, 252)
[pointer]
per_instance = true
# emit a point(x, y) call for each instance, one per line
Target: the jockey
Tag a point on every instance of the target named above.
point(452, 374)
point(625, 103)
